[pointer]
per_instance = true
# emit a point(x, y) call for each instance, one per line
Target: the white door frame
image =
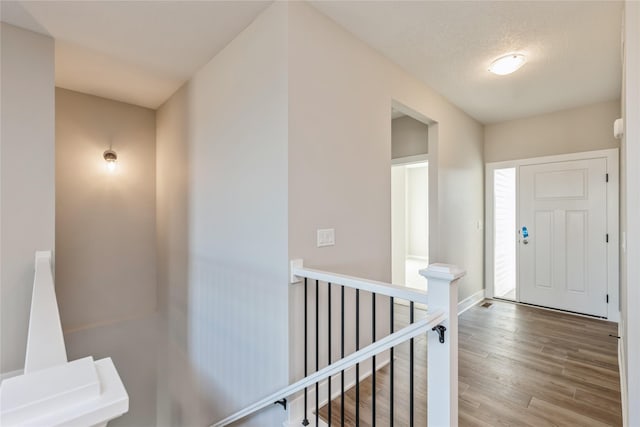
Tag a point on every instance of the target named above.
point(612, 157)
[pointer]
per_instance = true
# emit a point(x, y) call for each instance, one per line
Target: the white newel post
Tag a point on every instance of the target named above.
point(442, 365)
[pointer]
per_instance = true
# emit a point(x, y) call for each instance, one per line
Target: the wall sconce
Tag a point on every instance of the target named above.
point(111, 158)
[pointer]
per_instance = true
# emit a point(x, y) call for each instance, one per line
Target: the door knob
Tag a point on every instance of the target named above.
point(525, 235)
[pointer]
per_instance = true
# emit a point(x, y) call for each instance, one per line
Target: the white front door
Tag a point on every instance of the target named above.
point(563, 260)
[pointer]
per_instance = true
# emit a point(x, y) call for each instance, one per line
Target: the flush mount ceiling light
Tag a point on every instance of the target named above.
point(507, 64)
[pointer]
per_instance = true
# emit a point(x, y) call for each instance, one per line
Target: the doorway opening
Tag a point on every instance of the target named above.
point(409, 200)
point(410, 223)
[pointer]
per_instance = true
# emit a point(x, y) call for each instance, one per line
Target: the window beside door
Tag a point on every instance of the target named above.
point(504, 208)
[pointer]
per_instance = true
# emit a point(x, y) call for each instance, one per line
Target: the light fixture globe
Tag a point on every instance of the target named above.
point(507, 64)
point(110, 157)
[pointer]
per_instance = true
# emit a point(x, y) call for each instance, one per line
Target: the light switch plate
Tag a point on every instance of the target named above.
point(326, 237)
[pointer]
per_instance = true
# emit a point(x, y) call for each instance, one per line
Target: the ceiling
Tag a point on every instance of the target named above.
point(133, 51)
point(573, 49)
point(141, 51)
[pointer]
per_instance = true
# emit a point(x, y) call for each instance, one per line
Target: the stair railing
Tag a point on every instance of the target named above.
point(440, 325)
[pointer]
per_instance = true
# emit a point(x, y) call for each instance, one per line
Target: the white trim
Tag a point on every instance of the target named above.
point(359, 356)
point(10, 374)
point(409, 160)
point(613, 256)
point(408, 111)
point(381, 288)
point(471, 301)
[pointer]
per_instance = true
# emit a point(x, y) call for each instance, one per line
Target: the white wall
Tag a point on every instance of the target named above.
point(27, 191)
point(409, 137)
point(228, 318)
point(570, 131)
point(105, 240)
point(418, 211)
point(630, 221)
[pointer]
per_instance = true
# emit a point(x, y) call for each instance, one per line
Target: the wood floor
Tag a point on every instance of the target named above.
point(518, 366)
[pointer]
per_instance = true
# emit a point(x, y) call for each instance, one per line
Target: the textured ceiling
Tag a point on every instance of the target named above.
point(142, 51)
point(133, 51)
point(573, 49)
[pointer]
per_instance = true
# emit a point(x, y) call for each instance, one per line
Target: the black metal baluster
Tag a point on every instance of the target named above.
point(391, 366)
point(317, 347)
point(357, 364)
point(329, 352)
point(411, 369)
point(373, 361)
point(342, 355)
point(305, 421)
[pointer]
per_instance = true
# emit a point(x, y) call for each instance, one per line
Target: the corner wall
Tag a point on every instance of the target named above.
point(27, 179)
point(222, 234)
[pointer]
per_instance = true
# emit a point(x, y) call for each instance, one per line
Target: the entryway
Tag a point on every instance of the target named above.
point(552, 226)
point(409, 199)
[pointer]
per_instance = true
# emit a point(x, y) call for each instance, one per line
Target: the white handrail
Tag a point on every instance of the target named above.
point(298, 273)
point(375, 348)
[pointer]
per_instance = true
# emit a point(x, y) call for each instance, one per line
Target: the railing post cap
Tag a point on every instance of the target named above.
point(443, 272)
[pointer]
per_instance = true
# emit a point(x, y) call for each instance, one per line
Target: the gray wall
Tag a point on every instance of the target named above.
point(340, 158)
point(105, 221)
point(227, 311)
point(106, 241)
point(570, 131)
point(27, 192)
point(409, 137)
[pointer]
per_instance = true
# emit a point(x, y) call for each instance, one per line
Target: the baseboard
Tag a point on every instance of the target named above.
point(470, 301)
point(295, 407)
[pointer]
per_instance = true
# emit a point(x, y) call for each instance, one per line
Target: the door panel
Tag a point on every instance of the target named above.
point(563, 262)
point(576, 227)
point(544, 249)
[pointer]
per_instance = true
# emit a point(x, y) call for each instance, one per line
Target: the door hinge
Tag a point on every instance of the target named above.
point(607, 298)
point(607, 177)
point(607, 238)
